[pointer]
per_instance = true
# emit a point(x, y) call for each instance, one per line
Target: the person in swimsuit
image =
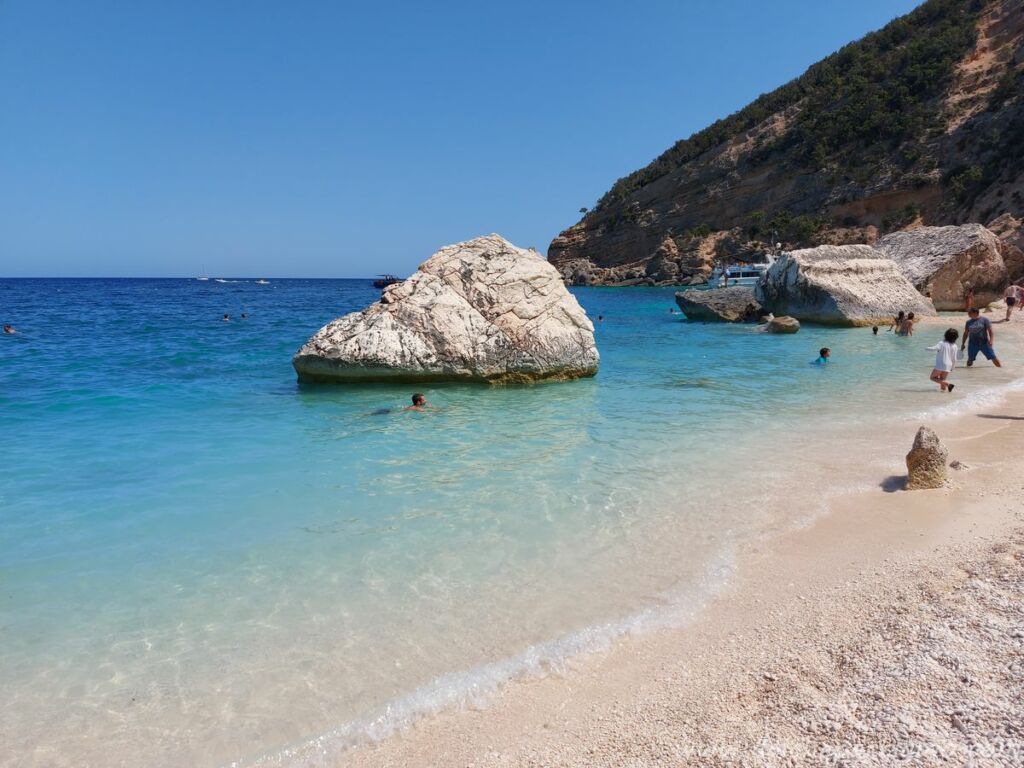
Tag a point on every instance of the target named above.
point(1014, 295)
point(897, 322)
point(419, 403)
point(979, 337)
point(9, 329)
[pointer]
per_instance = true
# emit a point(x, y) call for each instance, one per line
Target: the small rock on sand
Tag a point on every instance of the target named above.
point(926, 462)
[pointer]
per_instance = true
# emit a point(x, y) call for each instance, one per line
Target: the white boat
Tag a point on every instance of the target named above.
point(725, 275)
point(262, 282)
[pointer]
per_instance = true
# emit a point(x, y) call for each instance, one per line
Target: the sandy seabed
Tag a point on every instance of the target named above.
point(888, 632)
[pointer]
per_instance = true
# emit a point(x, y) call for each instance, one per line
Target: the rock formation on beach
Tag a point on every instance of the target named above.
point(482, 310)
point(926, 462)
point(730, 305)
point(784, 324)
point(839, 285)
point(919, 122)
point(947, 261)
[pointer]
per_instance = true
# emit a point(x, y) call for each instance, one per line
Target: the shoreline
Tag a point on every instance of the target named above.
point(772, 636)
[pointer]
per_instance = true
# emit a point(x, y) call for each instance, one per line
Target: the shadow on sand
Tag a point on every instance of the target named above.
point(893, 483)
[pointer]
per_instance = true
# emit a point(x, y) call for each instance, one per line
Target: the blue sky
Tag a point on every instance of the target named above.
point(334, 139)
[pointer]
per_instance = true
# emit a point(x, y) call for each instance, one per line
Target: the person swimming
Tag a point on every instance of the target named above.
point(9, 329)
point(874, 330)
point(227, 318)
point(419, 403)
point(823, 356)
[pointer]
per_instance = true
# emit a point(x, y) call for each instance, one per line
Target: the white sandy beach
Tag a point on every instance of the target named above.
point(890, 631)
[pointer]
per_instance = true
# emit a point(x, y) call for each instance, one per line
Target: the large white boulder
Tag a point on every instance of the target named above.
point(839, 285)
point(482, 310)
point(949, 261)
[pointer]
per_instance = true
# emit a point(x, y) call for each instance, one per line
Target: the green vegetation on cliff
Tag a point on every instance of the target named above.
point(882, 92)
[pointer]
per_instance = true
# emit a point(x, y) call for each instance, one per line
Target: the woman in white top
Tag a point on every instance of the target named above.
point(945, 360)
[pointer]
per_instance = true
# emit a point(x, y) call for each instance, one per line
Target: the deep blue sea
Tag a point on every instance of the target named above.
point(203, 562)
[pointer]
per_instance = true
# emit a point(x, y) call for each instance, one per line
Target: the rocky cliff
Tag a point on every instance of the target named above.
point(919, 122)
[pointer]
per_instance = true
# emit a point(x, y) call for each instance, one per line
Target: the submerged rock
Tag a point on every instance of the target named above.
point(783, 325)
point(727, 305)
point(482, 310)
point(839, 285)
point(926, 462)
point(949, 261)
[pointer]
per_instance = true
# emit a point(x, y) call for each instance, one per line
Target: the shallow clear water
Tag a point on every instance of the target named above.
point(203, 562)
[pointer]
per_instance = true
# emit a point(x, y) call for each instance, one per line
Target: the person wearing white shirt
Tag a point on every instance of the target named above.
point(945, 360)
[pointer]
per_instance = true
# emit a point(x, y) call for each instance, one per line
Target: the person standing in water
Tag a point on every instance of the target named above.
point(979, 336)
point(1014, 295)
point(897, 322)
point(969, 298)
point(945, 360)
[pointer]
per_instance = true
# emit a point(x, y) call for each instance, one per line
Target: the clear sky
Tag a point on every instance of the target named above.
point(343, 139)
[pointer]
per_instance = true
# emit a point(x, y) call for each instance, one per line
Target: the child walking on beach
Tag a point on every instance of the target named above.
point(945, 360)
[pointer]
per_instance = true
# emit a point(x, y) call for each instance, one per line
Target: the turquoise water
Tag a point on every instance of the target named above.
point(203, 562)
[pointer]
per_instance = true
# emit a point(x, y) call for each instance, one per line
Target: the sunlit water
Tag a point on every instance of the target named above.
point(202, 562)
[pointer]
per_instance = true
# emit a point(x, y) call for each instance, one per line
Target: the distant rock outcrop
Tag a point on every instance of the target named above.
point(921, 121)
point(482, 310)
point(1010, 232)
point(839, 285)
point(783, 324)
point(950, 261)
point(728, 305)
point(926, 462)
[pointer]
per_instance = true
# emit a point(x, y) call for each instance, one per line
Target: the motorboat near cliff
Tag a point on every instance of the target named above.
point(383, 281)
point(725, 275)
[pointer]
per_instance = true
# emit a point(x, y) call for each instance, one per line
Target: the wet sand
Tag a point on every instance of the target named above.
point(890, 630)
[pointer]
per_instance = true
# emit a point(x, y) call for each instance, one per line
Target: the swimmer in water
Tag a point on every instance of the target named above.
point(874, 330)
point(419, 403)
point(823, 355)
point(227, 318)
point(9, 329)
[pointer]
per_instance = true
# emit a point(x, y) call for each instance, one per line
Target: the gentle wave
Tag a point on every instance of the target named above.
point(987, 397)
point(475, 687)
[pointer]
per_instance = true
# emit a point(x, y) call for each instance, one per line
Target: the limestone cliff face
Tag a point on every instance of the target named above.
point(920, 122)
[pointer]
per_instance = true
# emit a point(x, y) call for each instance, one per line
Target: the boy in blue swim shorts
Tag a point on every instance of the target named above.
point(978, 337)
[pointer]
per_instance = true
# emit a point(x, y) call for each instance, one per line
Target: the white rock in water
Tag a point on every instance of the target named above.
point(839, 285)
point(482, 310)
point(948, 261)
